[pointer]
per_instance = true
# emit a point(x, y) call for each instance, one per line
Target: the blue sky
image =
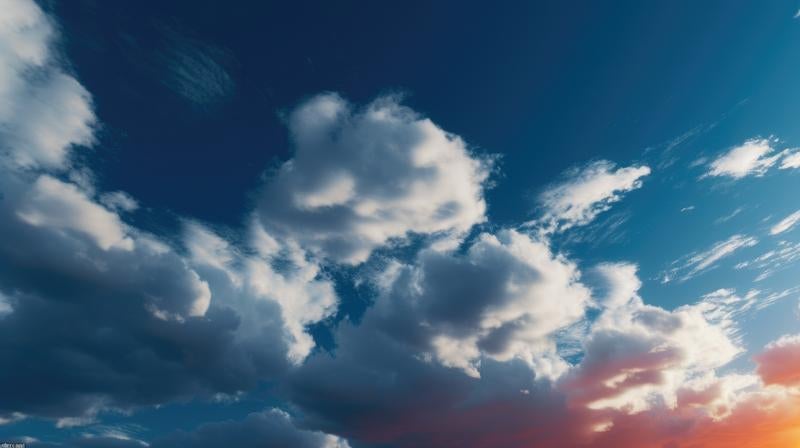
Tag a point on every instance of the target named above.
point(319, 224)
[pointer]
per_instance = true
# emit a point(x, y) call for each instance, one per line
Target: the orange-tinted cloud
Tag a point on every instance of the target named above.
point(780, 362)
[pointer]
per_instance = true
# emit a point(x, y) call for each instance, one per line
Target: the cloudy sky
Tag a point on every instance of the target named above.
point(400, 224)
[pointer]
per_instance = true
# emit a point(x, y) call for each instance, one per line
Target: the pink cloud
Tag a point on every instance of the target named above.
point(779, 363)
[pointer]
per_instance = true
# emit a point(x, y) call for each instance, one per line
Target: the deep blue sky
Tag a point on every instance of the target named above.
point(547, 84)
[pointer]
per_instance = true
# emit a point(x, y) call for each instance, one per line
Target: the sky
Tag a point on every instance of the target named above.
point(400, 224)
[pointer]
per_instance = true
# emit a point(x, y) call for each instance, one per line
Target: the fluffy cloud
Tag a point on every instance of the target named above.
point(751, 158)
point(360, 178)
point(244, 278)
point(107, 320)
point(43, 111)
point(647, 379)
point(123, 318)
point(779, 363)
point(785, 224)
point(504, 299)
point(126, 319)
point(461, 348)
point(638, 356)
point(62, 206)
point(586, 193)
point(122, 315)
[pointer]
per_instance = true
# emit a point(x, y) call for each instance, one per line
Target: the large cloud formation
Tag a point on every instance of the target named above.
point(504, 299)
point(97, 314)
point(361, 178)
point(475, 340)
point(648, 378)
point(41, 115)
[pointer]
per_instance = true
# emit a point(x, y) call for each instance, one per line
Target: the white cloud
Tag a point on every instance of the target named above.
point(791, 159)
point(687, 267)
point(504, 299)
point(586, 193)
point(751, 158)
point(360, 178)
point(66, 254)
point(724, 307)
point(638, 356)
point(782, 256)
point(621, 283)
point(119, 201)
point(43, 111)
point(785, 224)
point(304, 296)
point(62, 206)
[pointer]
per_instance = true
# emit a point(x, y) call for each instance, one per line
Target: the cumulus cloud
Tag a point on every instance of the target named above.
point(61, 206)
point(785, 224)
point(43, 111)
point(361, 178)
point(123, 316)
point(586, 193)
point(504, 299)
point(303, 295)
point(696, 263)
point(648, 379)
point(461, 347)
point(269, 428)
point(639, 356)
point(752, 158)
point(397, 397)
point(779, 363)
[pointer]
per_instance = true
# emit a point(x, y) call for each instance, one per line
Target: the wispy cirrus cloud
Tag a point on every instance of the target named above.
point(791, 159)
point(752, 158)
point(786, 224)
point(781, 257)
point(696, 263)
point(198, 72)
point(585, 193)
